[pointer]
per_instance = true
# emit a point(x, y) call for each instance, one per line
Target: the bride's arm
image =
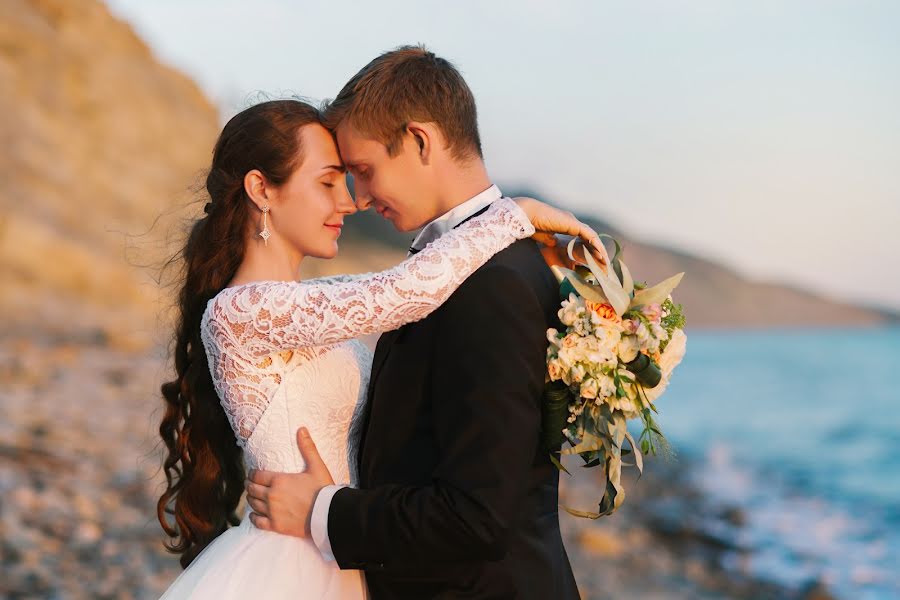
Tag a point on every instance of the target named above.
point(268, 317)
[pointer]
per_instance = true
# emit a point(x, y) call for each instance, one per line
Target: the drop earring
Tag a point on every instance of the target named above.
point(264, 234)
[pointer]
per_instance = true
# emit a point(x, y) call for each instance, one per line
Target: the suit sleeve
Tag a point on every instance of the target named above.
point(488, 375)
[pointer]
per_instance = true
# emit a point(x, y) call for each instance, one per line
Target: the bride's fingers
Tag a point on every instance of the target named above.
point(590, 237)
point(545, 238)
point(572, 226)
point(593, 244)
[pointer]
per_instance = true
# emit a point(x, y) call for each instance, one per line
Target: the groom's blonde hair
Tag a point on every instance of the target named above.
point(408, 84)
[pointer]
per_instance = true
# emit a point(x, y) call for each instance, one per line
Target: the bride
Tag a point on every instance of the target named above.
point(258, 353)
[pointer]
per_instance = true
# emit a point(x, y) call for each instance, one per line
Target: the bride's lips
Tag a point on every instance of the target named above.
point(335, 227)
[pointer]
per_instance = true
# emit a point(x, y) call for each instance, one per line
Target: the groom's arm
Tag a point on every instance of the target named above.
point(488, 374)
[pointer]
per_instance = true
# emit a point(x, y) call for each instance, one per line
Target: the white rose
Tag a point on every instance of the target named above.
point(570, 341)
point(589, 388)
point(608, 337)
point(628, 349)
point(554, 370)
point(553, 337)
point(578, 373)
point(566, 358)
point(642, 333)
point(607, 386)
point(572, 310)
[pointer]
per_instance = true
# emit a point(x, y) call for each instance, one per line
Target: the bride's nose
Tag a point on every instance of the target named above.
point(345, 204)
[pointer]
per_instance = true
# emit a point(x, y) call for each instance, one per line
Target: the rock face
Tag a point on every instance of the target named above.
point(99, 140)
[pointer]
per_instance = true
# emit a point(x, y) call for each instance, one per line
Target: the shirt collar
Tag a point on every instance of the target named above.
point(454, 217)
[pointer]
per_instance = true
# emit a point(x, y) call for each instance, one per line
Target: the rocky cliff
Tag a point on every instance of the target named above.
point(98, 141)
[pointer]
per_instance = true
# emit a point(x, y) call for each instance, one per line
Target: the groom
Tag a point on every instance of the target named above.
point(456, 498)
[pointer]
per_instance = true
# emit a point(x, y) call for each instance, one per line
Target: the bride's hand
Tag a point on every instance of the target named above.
point(549, 221)
point(556, 253)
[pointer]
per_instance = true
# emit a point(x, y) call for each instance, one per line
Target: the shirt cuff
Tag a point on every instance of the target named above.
point(319, 520)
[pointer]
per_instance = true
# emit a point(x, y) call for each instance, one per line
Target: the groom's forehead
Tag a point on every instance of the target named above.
point(355, 147)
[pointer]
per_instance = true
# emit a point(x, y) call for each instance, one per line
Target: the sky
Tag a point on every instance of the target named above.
point(764, 135)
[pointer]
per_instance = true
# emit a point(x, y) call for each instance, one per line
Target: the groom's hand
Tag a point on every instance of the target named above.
point(283, 502)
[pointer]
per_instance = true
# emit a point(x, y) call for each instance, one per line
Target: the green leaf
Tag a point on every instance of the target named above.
point(574, 282)
point(585, 290)
point(558, 464)
point(588, 443)
point(658, 293)
point(638, 459)
point(617, 256)
point(617, 297)
point(581, 513)
point(615, 493)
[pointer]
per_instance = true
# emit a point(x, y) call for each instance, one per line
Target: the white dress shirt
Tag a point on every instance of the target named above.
point(435, 229)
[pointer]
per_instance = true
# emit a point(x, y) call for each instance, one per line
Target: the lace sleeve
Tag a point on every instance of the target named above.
point(267, 317)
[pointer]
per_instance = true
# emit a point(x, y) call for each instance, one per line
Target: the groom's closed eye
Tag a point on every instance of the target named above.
point(360, 171)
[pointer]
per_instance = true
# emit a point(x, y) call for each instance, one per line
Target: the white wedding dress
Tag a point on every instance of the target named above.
point(283, 355)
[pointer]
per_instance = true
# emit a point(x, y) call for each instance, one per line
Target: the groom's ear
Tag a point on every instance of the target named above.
point(423, 136)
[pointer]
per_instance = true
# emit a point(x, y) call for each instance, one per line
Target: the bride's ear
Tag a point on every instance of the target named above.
point(423, 136)
point(257, 188)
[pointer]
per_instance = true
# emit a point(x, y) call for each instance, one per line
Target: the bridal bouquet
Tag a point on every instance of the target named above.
point(614, 359)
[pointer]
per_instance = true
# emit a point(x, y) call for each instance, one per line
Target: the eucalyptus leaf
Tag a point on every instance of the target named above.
point(582, 513)
point(618, 429)
point(656, 294)
point(638, 459)
point(585, 290)
point(558, 464)
point(570, 250)
point(616, 259)
point(588, 443)
point(614, 494)
point(617, 297)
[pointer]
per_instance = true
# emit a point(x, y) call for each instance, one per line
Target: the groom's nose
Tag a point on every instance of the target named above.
point(363, 198)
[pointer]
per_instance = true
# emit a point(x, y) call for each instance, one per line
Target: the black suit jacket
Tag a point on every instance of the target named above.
point(456, 498)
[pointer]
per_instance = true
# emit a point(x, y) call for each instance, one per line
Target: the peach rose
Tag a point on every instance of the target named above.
point(604, 311)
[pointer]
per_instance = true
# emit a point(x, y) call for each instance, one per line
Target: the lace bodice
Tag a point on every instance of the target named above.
point(282, 354)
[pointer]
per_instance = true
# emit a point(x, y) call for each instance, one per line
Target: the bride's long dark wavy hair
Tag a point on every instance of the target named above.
point(203, 464)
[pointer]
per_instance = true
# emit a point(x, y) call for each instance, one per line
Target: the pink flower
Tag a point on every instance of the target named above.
point(652, 311)
point(630, 326)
